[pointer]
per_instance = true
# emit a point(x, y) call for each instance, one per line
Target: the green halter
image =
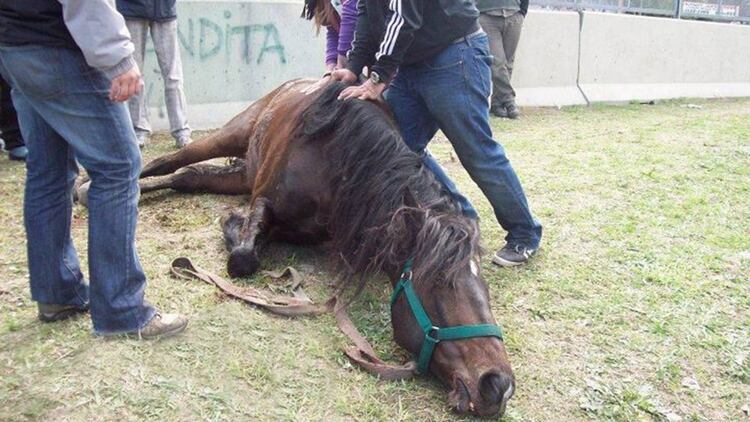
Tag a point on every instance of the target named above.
point(432, 334)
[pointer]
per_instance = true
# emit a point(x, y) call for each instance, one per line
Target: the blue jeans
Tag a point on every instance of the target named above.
point(66, 117)
point(450, 92)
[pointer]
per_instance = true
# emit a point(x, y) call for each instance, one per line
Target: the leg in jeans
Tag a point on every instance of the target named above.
point(417, 128)
point(512, 35)
point(455, 86)
point(167, 49)
point(137, 104)
point(56, 86)
point(9, 130)
point(51, 169)
point(494, 26)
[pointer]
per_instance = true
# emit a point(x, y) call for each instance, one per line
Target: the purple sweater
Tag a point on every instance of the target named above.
point(341, 42)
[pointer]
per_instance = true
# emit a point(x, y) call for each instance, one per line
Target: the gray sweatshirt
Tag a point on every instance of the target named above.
point(101, 34)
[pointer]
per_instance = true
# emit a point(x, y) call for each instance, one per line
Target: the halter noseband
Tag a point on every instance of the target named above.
point(432, 334)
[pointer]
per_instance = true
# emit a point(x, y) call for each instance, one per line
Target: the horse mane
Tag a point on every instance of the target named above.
point(387, 206)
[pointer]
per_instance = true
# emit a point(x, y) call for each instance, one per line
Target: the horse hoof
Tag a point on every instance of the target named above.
point(83, 194)
point(242, 262)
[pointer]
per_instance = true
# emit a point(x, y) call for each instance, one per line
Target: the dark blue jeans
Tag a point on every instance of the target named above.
point(65, 118)
point(451, 92)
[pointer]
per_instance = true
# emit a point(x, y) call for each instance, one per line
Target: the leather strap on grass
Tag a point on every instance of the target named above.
point(361, 354)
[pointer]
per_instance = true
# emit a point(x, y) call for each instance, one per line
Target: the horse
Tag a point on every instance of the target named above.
point(321, 169)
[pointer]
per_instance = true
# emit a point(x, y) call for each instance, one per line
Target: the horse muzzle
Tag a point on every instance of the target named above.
point(488, 397)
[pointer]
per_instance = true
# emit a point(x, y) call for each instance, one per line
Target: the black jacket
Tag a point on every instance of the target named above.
point(403, 32)
point(34, 22)
point(153, 10)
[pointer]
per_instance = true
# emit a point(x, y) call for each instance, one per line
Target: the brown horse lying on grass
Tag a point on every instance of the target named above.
point(322, 169)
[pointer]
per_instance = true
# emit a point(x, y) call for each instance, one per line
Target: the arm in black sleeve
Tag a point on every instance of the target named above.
point(405, 19)
point(365, 41)
point(524, 7)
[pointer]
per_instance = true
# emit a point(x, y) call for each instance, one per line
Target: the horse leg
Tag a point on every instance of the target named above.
point(224, 180)
point(231, 140)
point(228, 141)
point(244, 234)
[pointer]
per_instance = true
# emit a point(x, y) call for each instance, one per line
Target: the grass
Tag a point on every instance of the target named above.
point(636, 309)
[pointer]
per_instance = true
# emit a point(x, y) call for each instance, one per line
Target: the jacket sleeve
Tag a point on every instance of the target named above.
point(405, 19)
point(101, 34)
point(524, 7)
point(365, 41)
point(346, 30)
point(332, 43)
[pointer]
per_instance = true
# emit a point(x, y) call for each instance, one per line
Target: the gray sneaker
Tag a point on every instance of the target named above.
point(182, 141)
point(512, 255)
point(142, 139)
point(161, 326)
point(52, 313)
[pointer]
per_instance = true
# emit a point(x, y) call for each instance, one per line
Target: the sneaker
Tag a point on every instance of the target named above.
point(512, 110)
point(53, 313)
point(512, 255)
point(18, 153)
point(82, 193)
point(499, 111)
point(160, 326)
point(182, 141)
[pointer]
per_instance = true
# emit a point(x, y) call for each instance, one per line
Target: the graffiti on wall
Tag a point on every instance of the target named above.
point(217, 43)
point(213, 37)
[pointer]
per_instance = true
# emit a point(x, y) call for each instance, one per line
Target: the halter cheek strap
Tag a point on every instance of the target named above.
point(432, 334)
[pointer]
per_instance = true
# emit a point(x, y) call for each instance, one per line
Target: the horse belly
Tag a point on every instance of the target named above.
point(301, 199)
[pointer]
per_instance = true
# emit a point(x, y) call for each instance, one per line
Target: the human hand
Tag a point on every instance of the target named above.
point(344, 75)
point(126, 85)
point(366, 91)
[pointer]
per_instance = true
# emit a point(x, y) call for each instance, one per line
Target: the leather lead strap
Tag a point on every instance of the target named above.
point(361, 354)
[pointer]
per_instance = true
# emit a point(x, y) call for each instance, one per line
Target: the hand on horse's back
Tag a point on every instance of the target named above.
point(343, 75)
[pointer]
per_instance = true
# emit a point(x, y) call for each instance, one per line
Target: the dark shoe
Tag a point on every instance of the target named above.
point(499, 111)
point(512, 255)
point(160, 326)
point(512, 109)
point(52, 313)
point(18, 154)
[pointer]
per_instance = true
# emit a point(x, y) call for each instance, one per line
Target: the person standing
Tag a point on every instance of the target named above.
point(503, 20)
point(159, 18)
point(9, 130)
point(70, 63)
point(436, 59)
point(339, 17)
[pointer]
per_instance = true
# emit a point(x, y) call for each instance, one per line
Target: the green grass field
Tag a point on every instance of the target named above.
point(636, 309)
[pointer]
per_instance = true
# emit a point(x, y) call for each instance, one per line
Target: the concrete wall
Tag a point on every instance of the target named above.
point(627, 57)
point(236, 51)
point(546, 66)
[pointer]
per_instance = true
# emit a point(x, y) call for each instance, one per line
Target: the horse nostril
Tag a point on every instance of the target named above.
point(494, 387)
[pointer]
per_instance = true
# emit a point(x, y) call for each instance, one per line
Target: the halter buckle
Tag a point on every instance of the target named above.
point(431, 339)
point(405, 277)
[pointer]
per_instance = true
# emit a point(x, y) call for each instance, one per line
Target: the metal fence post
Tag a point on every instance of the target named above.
point(678, 9)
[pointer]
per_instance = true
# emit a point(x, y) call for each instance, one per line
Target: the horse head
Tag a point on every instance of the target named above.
point(443, 304)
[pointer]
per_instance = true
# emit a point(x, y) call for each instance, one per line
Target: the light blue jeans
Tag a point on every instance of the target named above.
point(164, 35)
point(450, 91)
point(66, 117)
